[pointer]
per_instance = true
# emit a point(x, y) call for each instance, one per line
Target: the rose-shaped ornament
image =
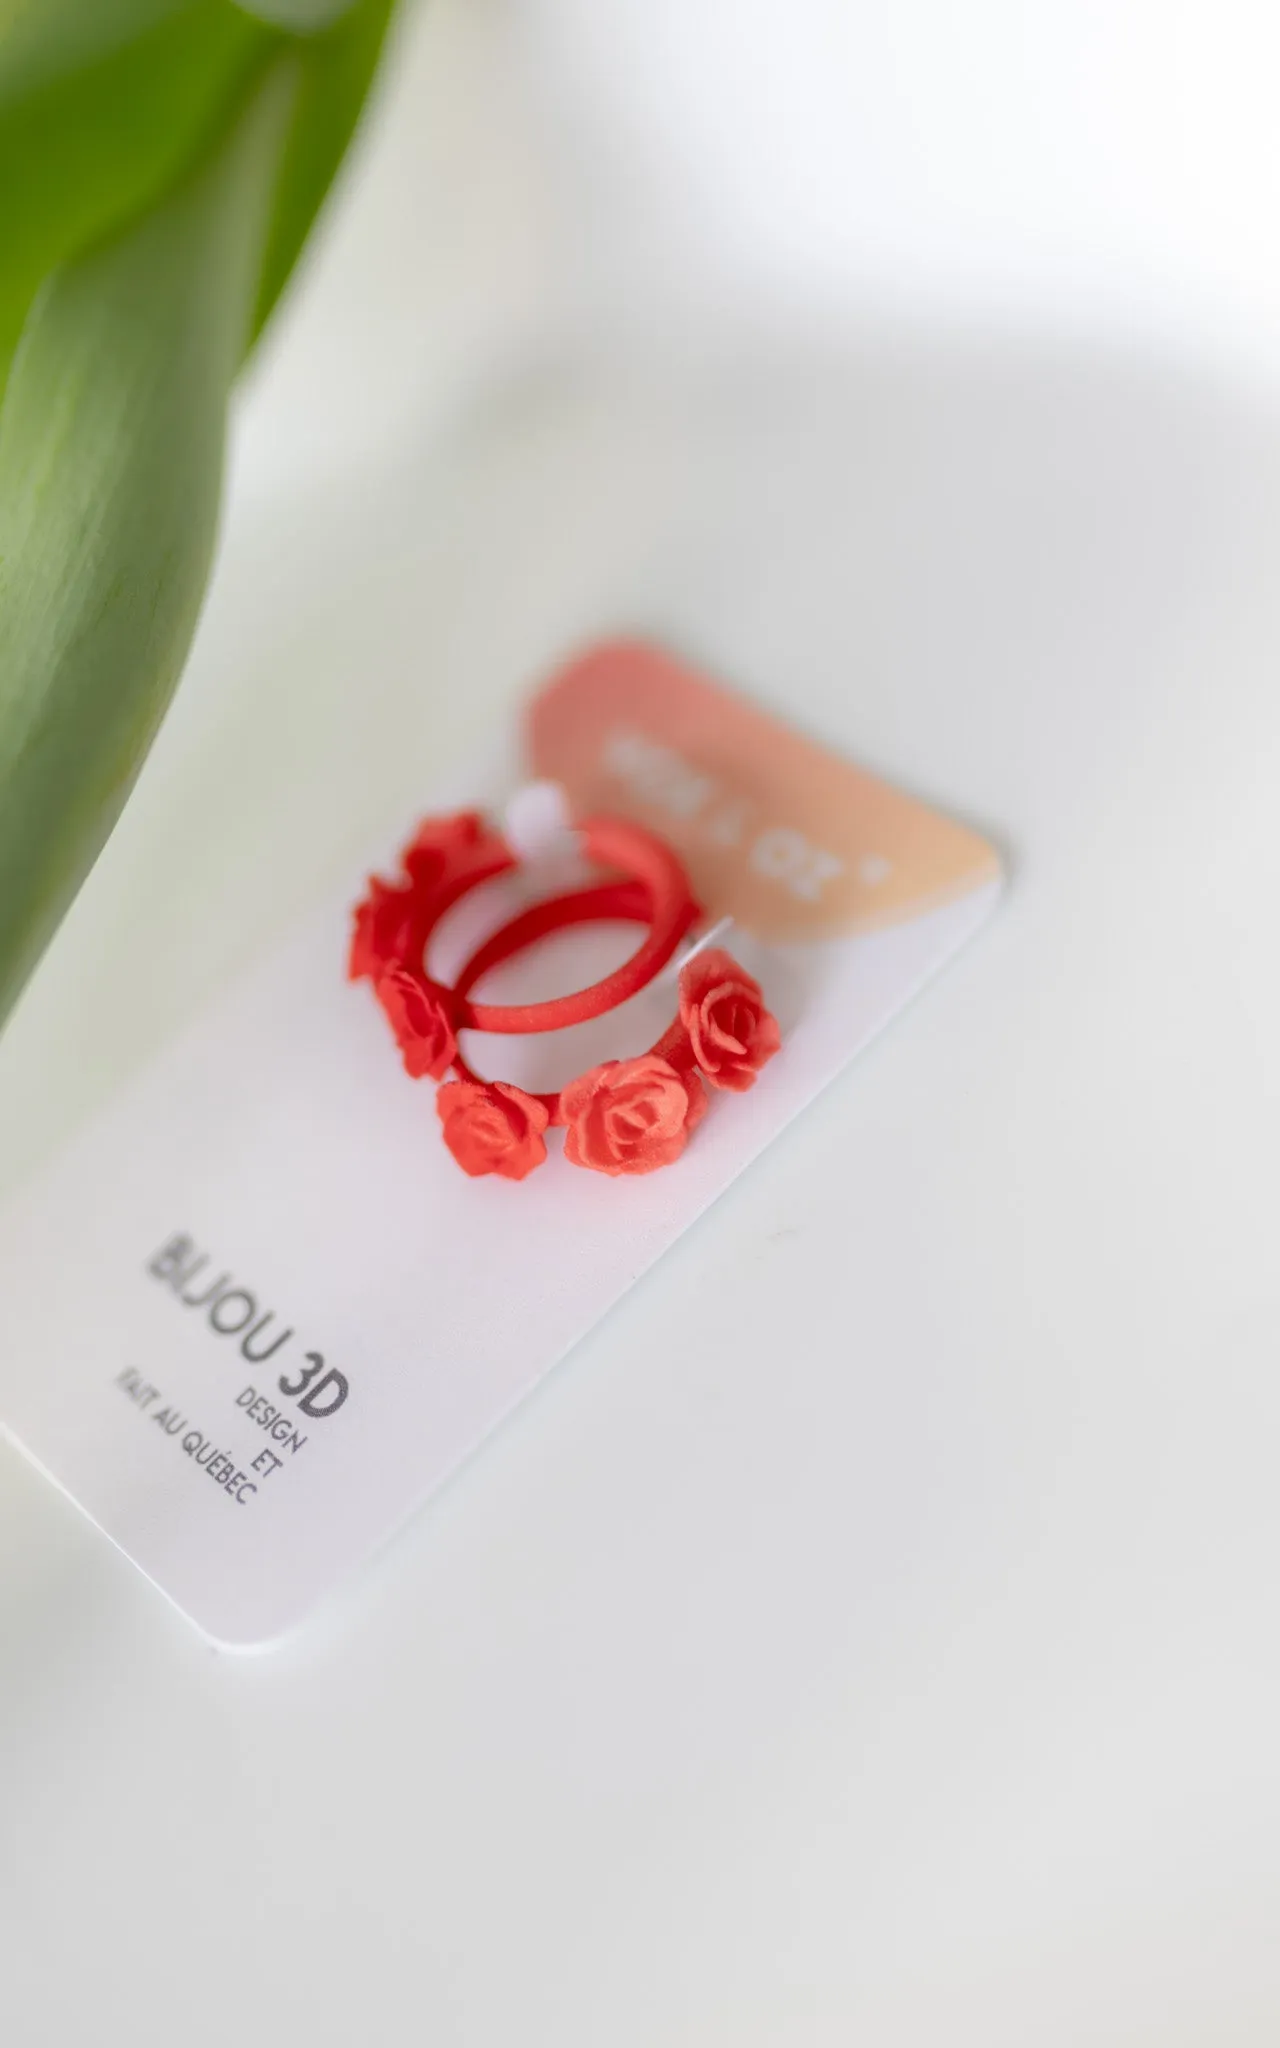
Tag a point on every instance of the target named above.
point(443, 846)
point(386, 931)
point(491, 1127)
point(630, 1116)
point(730, 1031)
point(417, 1015)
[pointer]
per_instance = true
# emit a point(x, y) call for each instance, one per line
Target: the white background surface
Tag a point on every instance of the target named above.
point(870, 1633)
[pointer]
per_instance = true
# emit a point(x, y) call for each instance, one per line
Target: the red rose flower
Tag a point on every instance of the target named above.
point(730, 1031)
point(384, 931)
point(420, 1022)
point(630, 1116)
point(437, 845)
point(491, 1127)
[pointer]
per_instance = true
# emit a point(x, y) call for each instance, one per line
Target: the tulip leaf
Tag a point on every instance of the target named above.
point(42, 39)
point(83, 155)
point(111, 443)
point(335, 71)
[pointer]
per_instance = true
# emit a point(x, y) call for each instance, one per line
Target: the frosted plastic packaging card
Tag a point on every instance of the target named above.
point(254, 1313)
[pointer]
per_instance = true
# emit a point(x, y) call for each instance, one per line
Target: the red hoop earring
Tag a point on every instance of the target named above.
point(670, 911)
point(625, 1117)
point(445, 860)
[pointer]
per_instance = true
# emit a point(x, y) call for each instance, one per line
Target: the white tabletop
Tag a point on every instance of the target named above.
point(869, 1633)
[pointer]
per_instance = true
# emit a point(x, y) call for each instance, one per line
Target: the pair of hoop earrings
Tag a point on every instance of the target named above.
point(627, 1116)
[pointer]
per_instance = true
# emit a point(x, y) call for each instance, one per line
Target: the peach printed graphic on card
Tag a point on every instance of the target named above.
point(793, 841)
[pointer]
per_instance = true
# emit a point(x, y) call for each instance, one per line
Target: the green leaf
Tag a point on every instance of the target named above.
point(336, 72)
point(111, 439)
point(81, 156)
point(42, 39)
